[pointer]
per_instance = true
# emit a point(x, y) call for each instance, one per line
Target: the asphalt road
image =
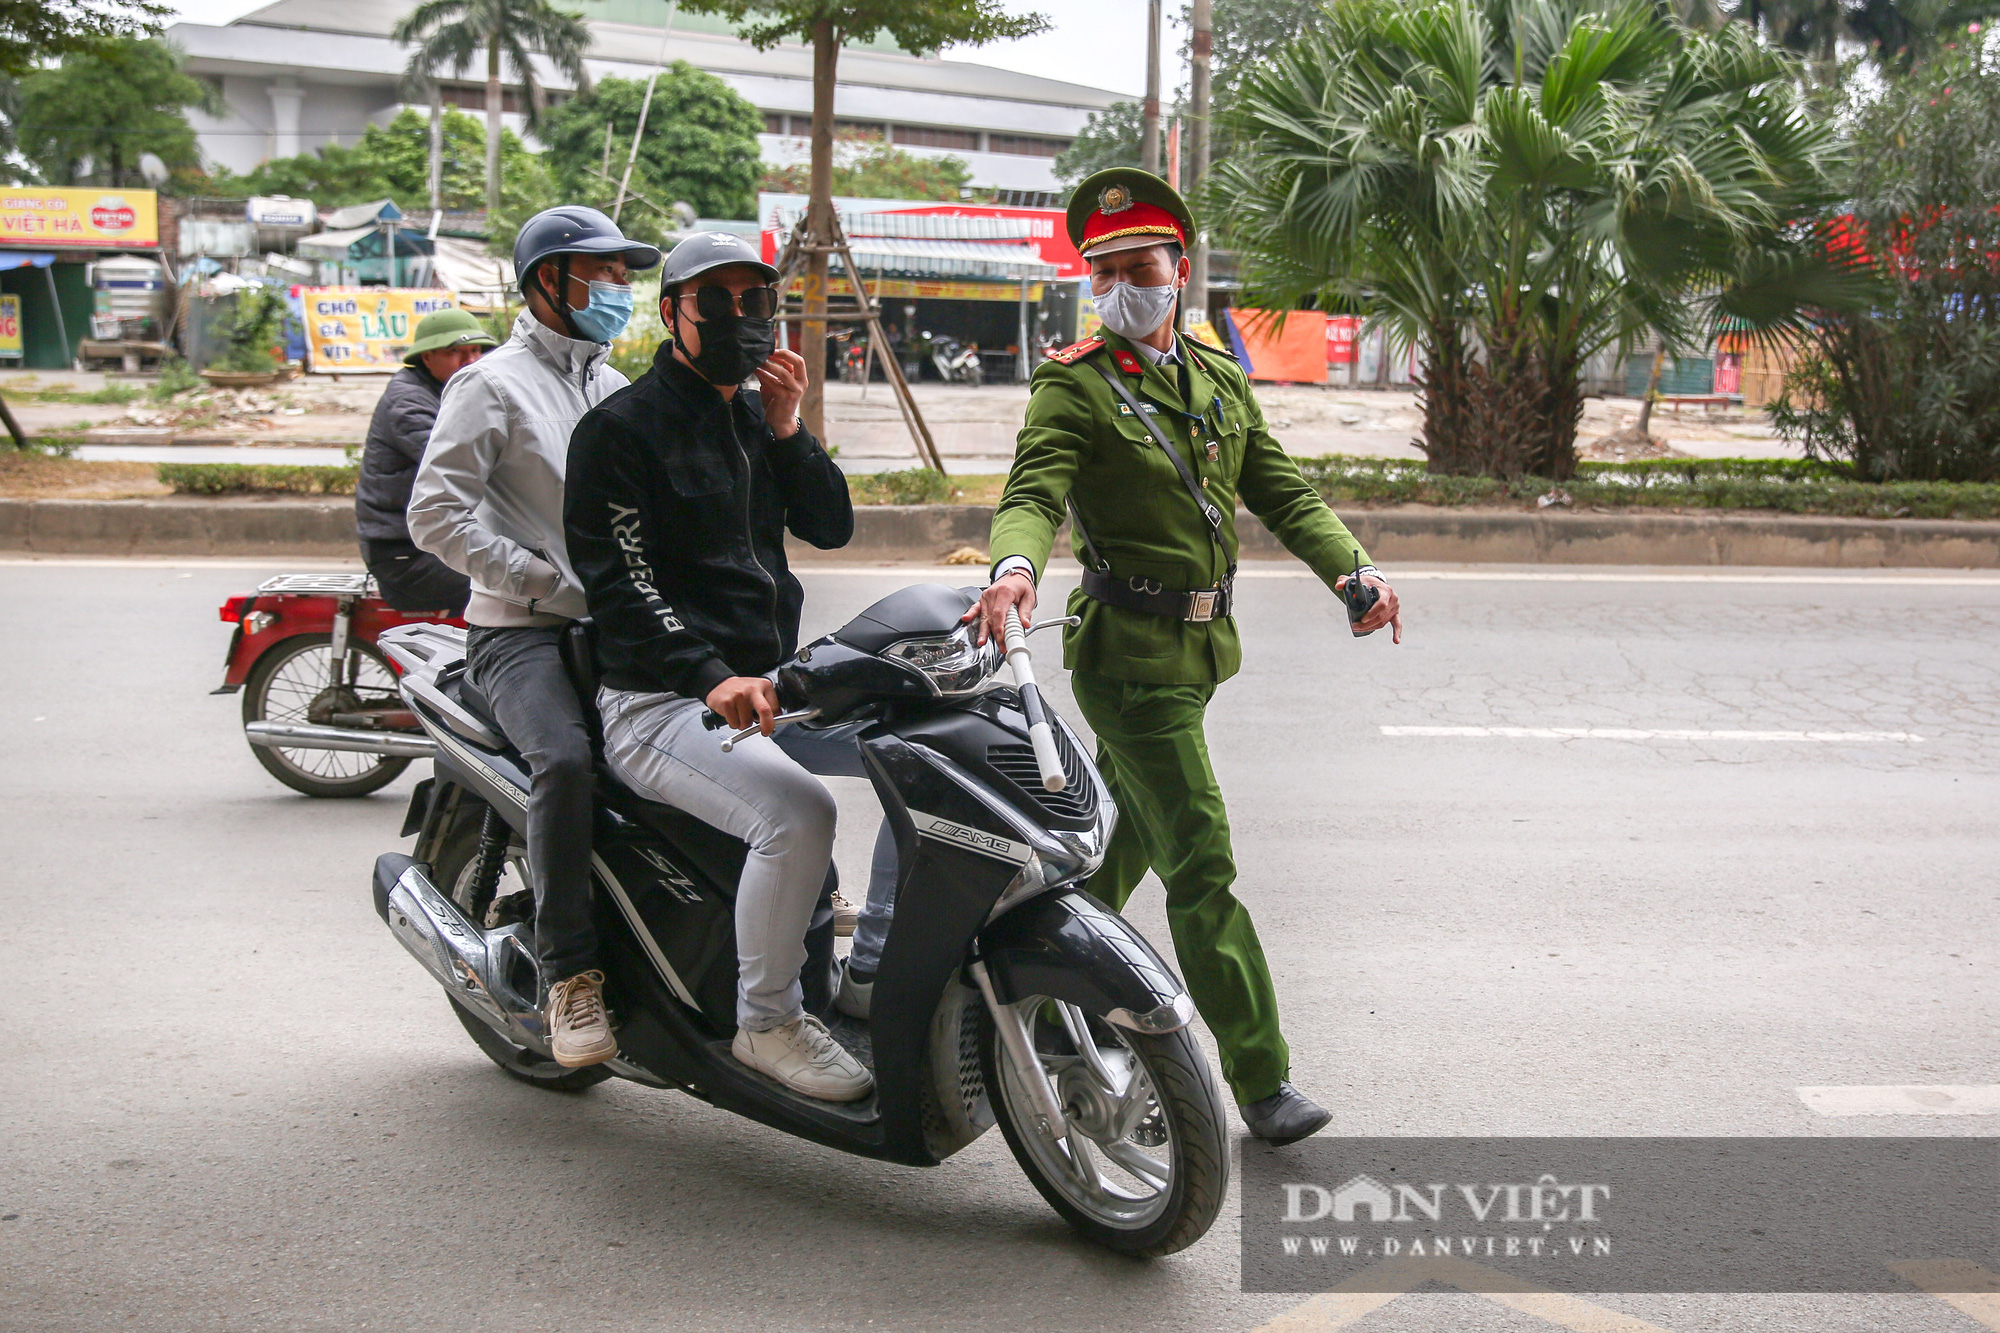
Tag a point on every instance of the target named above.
point(230, 1101)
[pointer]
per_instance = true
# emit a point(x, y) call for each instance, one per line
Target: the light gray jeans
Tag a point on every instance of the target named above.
point(658, 746)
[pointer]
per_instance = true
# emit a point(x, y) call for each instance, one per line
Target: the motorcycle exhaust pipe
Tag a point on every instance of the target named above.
point(437, 934)
point(304, 736)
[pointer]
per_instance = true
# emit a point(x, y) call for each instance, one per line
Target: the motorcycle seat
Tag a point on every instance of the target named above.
point(457, 686)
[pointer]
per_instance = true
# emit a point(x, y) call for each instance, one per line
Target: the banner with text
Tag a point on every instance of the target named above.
point(97, 219)
point(358, 330)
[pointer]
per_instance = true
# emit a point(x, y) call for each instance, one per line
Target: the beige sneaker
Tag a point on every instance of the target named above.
point(804, 1057)
point(846, 916)
point(579, 1032)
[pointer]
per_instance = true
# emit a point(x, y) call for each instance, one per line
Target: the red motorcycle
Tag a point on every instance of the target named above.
point(320, 707)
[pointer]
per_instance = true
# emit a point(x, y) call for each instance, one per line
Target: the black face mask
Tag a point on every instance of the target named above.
point(732, 345)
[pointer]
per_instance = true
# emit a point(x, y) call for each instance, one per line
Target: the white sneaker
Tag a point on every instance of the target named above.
point(804, 1057)
point(854, 998)
point(579, 1030)
point(846, 916)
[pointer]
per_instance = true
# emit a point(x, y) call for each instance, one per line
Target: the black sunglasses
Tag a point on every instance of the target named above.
point(713, 302)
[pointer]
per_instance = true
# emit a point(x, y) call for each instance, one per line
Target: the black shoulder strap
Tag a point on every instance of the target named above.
point(1209, 512)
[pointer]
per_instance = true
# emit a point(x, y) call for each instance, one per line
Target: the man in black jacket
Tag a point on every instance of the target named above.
point(411, 579)
point(680, 489)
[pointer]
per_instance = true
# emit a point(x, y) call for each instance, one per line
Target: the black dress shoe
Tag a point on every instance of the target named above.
point(1286, 1116)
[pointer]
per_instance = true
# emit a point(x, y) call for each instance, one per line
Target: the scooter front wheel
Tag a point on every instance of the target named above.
point(1140, 1163)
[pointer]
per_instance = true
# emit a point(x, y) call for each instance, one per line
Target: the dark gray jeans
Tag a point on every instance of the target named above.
point(520, 672)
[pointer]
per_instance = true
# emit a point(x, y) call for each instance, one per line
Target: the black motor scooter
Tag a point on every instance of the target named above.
point(1005, 992)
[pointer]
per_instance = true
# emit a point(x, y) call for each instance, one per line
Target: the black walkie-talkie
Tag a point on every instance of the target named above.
point(1360, 599)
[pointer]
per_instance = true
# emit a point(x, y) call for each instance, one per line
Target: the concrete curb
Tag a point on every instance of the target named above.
point(325, 527)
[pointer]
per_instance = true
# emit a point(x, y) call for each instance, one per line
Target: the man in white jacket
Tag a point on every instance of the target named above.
point(488, 501)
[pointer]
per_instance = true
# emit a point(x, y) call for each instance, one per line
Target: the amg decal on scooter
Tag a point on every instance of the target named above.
point(972, 839)
point(677, 884)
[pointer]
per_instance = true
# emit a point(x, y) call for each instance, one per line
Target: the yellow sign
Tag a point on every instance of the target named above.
point(940, 290)
point(10, 327)
point(97, 219)
point(356, 330)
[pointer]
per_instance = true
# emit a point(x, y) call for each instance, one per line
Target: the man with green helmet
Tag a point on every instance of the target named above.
point(1150, 440)
point(409, 578)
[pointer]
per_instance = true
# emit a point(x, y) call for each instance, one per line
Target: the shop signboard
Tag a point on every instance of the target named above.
point(1342, 332)
point(11, 348)
point(940, 289)
point(90, 218)
point(279, 211)
point(362, 330)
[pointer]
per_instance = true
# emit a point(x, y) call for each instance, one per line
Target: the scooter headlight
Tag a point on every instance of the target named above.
point(952, 663)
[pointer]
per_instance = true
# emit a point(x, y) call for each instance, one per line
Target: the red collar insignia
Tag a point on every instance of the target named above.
point(1075, 352)
point(1127, 362)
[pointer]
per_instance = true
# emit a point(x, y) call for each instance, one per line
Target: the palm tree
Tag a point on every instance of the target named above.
point(448, 34)
point(1517, 185)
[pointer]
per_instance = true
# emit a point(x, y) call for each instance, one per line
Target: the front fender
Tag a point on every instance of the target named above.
point(1069, 946)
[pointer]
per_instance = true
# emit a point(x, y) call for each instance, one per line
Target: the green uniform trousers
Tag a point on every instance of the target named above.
point(1171, 819)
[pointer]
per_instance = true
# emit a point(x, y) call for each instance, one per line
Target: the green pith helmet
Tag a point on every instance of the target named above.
point(1122, 208)
point(448, 328)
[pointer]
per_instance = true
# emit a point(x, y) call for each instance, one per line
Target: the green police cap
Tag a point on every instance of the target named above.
point(1122, 208)
point(448, 328)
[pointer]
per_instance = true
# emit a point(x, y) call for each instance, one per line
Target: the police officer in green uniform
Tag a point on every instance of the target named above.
point(1155, 530)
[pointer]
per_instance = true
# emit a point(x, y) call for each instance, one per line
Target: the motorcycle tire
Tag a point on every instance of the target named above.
point(458, 845)
point(523, 1063)
point(1183, 1112)
point(326, 773)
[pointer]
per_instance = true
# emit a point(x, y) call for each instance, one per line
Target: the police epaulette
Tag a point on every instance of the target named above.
point(1075, 352)
point(1220, 352)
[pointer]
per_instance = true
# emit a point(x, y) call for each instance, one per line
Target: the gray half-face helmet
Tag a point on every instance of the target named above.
point(707, 250)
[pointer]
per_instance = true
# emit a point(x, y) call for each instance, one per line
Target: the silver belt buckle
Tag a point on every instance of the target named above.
point(1201, 605)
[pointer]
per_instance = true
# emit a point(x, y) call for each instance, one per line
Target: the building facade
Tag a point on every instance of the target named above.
point(300, 74)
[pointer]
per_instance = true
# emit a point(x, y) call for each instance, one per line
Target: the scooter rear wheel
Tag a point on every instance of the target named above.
point(1142, 1162)
point(523, 1063)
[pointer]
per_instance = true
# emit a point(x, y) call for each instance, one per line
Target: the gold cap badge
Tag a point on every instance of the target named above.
point(1114, 199)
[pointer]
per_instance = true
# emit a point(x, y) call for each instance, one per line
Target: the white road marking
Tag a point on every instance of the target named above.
point(1966, 1287)
point(1344, 1305)
point(1652, 734)
point(1905, 1099)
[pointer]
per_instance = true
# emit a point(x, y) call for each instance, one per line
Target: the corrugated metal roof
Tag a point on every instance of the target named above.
point(918, 257)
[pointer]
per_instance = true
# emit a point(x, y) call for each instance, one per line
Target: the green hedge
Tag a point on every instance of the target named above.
point(257, 478)
point(1794, 486)
point(914, 486)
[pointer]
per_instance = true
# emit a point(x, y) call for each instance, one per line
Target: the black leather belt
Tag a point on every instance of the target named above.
point(1137, 594)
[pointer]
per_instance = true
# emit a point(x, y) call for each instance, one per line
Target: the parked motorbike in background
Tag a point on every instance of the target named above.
point(956, 362)
point(1005, 993)
point(320, 705)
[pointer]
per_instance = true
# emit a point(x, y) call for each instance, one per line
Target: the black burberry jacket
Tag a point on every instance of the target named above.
point(675, 510)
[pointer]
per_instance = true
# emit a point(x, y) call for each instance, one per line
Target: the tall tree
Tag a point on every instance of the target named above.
point(33, 31)
point(921, 26)
point(1908, 387)
point(393, 162)
point(1110, 138)
point(449, 34)
point(700, 145)
point(867, 168)
point(1515, 185)
point(89, 120)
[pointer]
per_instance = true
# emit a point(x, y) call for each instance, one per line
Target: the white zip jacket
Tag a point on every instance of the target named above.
point(488, 499)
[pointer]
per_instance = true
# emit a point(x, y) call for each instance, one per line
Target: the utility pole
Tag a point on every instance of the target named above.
point(1201, 45)
point(1149, 132)
point(652, 82)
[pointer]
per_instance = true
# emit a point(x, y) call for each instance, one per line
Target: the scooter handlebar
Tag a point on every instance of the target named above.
point(1040, 734)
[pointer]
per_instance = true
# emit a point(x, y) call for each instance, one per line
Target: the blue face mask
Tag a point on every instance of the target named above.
point(609, 311)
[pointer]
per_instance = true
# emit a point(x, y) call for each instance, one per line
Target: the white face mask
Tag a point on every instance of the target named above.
point(1135, 312)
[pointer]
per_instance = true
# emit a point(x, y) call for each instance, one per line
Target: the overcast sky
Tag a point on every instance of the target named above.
point(1099, 43)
